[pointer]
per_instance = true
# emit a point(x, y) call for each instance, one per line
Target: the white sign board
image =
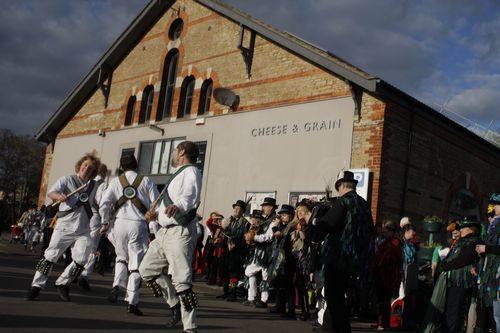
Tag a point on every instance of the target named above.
point(363, 177)
point(257, 199)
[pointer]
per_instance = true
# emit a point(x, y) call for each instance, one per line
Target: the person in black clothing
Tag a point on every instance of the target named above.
point(459, 264)
point(283, 264)
point(346, 249)
point(233, 245)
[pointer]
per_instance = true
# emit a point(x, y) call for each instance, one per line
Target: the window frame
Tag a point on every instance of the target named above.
point(147, 102)
point(206, 91)
point(151, 159)
point(167, 86)
point(186, 99)
point(130, 112)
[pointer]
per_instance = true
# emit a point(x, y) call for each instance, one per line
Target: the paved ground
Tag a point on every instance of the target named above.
point(91, 312)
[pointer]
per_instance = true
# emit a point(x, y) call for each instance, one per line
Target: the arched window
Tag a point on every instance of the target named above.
point(167, 87)
point(146, 104)
point(186, 99)
point(129, 115)
point(205, 97)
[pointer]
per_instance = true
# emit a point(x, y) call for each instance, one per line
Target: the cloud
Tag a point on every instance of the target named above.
point(46, 47)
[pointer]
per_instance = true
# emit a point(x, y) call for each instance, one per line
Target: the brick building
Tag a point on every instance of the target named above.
point(273, 115)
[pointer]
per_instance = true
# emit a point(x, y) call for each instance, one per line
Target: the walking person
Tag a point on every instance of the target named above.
point(95, 226)
point(72, 228)
point(128, 198)
point(167, 265)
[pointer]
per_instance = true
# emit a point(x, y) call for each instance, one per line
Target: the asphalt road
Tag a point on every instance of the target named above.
point(92, 312)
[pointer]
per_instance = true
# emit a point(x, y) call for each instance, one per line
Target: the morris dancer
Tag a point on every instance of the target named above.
point(95, 226)
point(72, 227)
point(129, 196)
point(173, 248)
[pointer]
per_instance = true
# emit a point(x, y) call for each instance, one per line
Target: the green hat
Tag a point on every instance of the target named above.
point(495, 198)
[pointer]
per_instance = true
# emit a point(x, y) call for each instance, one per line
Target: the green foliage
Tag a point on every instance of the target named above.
point(21, 164)
point(433, 219)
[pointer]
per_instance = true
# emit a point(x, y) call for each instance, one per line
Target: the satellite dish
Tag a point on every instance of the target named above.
point(226, 97)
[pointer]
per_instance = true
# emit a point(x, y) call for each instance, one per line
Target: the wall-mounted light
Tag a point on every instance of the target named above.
point(157, 129)
point(101, 133)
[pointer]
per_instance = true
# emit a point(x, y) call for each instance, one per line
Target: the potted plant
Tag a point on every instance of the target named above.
point(433, 224)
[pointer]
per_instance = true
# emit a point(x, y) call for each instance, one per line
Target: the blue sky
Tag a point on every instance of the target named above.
point(444, 52)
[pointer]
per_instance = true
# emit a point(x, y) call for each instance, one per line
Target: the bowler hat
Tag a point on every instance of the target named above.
point(495, 198)
point(269, 202)
point(240, 203)
point(345, 177)
point(287, 209)
point(257, 214)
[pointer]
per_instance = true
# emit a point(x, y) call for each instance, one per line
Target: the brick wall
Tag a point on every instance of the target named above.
point(435, 158)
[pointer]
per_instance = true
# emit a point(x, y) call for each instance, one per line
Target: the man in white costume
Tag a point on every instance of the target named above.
point(173, 248)
point(128, 198)
point(95, 228)
point(72, 228)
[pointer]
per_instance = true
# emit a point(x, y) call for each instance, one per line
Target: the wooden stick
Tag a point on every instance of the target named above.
point(68, 195)
point(155, 203)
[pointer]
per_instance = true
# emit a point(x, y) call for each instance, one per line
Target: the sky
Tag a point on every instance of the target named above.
point(445, 53)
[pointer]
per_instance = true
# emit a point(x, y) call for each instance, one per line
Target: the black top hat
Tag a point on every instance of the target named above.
point(240, 203)
point(287, 209)
point(269, 201)
point(345, 176)
point(257, 214)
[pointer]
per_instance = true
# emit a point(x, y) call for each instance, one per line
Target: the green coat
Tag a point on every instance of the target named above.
point(489, 266)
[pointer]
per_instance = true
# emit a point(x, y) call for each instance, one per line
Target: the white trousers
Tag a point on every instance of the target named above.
point(251, 271)
point(130, 238)
point(59, 242)
point(95, 237)
point(171, 253)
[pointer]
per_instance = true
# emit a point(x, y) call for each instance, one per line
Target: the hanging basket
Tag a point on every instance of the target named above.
point(433, 228)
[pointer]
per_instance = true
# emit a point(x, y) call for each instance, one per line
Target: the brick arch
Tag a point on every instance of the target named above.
point(123, 109)
point(177, 91)
point(144, 83)
point(460, 182)
point(185, 18)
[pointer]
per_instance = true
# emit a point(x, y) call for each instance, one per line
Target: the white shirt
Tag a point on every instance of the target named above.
point(184, 190)
point(76, 221)
point(146, 192)
point(95, 221)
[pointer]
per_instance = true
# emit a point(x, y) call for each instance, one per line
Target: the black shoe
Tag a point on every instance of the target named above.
point(231, 298)
point(84, 284)
point(259, 304)
point(63, 291)
point(113, 295)
point(176, 316)
point(133, 309)
point(32, 293)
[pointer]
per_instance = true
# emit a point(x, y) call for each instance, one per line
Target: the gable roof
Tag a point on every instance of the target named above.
point(156, 8)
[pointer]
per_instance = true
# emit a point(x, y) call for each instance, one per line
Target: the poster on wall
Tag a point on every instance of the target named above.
point(296, 197)
point(256, 198)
